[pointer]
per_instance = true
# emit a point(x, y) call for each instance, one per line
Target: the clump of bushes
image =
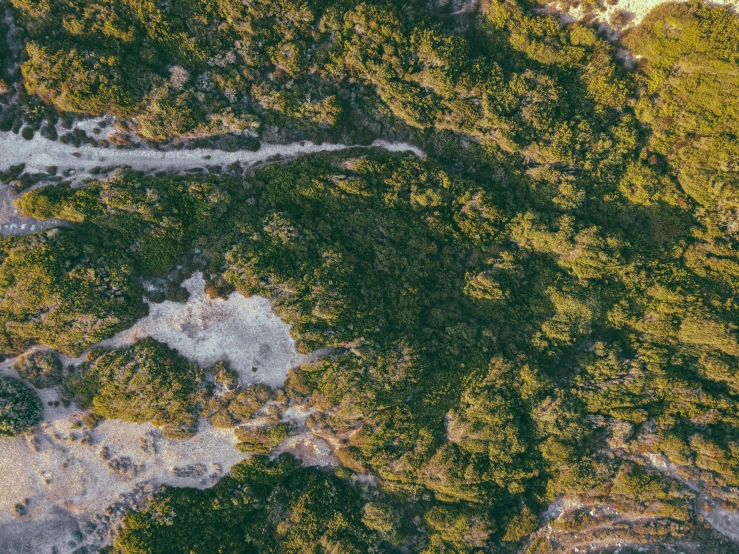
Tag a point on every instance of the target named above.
point(42, 368)
point(262, 506)
point(261, 439)
point(234, 405)
point(65, 289)
point(20, 408)
point(146, 382)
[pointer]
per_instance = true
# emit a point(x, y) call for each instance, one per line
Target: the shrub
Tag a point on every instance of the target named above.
point(146, 382)
point(261, 439)
point(20, 408)
point(41, 368)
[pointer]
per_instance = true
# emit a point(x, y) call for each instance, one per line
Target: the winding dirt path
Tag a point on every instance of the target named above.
point(39, 154)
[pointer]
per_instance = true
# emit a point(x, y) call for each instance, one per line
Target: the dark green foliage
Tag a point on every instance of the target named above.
point(262, 507)
point(42, 368)
point(146, 382)
point(235, 405)
point(544, 301)
point(204, 66)
point(20, 408)
point(152, 220)
point(5, 58)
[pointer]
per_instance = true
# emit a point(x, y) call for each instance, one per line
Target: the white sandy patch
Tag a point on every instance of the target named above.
point(68, 486)
point(723, 521)
point(635, 11)
point(243, 331)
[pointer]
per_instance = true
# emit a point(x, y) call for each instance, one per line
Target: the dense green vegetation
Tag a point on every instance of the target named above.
point(20, 408)
point(191, 67)
point(692, 90)
point(146, 382)
point(470, 373)
point(233, 405)
point(262, 506)
point(536, 308)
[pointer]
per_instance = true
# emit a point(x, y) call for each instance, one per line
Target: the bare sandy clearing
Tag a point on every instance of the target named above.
point(65, 486)
point(74, 484)
point(242, 330)
point(634, 11)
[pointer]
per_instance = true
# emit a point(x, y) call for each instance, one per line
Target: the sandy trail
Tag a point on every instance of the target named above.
point(38, 154)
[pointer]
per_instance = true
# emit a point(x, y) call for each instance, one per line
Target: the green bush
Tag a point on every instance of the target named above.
point(64, 289)
point(262, 506)
point(146, 382)
point(20, 408)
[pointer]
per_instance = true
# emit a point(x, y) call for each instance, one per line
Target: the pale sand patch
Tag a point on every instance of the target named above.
point(68, 486)
point(40, 153)
point(60, 472)
point(243, 331)
point(636, 11)
point(76, 484)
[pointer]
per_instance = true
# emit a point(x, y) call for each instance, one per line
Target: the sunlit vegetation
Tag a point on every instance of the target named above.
point(536, 308)
point(691, 90)
point(233, 404)
point(20, 408)
point(65, 289)
point(146, 382)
